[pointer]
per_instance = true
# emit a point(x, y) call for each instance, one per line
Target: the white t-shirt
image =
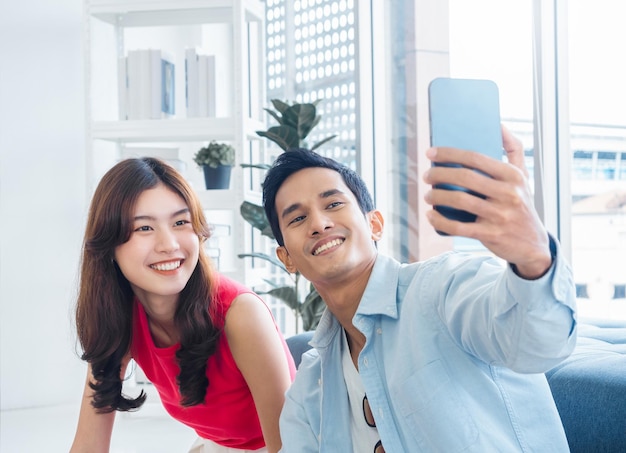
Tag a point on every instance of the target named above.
point(364, 437)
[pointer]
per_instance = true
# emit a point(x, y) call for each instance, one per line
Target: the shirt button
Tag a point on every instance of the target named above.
point(379, 331)
point(365, 362)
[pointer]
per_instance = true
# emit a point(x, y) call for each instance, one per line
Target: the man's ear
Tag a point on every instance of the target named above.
point(283, 256)
point(377, 224)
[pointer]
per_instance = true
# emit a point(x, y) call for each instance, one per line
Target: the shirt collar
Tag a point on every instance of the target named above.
point(379, 298)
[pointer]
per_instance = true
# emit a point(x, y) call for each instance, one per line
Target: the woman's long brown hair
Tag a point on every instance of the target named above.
point(105, 300)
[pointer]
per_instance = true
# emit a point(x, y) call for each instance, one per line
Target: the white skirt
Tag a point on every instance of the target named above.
point(208, 446)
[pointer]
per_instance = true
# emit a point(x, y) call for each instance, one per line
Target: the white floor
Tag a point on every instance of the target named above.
point(51, 430)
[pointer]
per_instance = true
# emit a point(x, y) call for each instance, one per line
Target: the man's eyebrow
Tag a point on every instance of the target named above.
point(327, 193)
point(290, 209)
point(330, 193)
point(149, 217)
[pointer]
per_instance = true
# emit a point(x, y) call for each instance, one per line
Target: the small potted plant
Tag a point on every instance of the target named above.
point(217, 160)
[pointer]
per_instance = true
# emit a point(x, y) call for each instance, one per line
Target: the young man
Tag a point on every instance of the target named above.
point(444, 355)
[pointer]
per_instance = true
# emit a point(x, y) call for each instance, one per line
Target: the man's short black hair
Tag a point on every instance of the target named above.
point(295, 160)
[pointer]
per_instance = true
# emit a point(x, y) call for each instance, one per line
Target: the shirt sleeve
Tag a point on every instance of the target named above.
point(528, 326)
point(296, 429)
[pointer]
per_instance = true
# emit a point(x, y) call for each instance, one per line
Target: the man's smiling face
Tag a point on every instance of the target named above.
point(326, 235)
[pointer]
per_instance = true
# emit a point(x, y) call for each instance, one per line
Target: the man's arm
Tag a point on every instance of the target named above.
point(523, 318)
point(296, 433)
point(528, 326)
point(300, 417)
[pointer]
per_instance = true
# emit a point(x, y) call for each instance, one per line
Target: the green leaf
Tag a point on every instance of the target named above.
point(264, 256)
point(255, 216)
point(280, 105)
point(320, 143)
point(272, 283)
point(287, 294)
point(276, 116)
point(259, 166)
point(311, 309)
point(311, 126)
point(284, 136)
point(302, 118)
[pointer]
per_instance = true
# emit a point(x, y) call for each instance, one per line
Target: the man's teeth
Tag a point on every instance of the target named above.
point(166, 266)
point(328, 245)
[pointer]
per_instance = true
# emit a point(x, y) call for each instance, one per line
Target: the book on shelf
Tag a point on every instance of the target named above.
point(148, 90)
point(167, 87)
point(122, 88)
point(191, 82)
point(200, 83)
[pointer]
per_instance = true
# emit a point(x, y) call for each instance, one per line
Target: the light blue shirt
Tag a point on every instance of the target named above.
point(454, 360)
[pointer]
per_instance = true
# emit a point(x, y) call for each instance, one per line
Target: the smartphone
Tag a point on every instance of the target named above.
point(465, 114)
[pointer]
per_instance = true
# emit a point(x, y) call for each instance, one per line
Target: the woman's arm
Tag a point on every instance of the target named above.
point(258, 351)
point(93, 433)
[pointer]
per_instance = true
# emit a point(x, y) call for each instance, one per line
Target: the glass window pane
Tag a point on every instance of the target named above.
point(496, 46)
point(311, 56)
point(598, 138)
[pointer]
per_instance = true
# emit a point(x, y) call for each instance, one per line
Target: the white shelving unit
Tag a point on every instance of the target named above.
point(232, 30)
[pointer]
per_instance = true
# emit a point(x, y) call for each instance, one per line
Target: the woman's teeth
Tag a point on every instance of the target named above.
point(166, 266)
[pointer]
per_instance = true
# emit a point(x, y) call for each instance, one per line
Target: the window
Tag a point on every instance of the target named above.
point(311, 56)
point(588, 156)
point(316, 50)
point(597, 96)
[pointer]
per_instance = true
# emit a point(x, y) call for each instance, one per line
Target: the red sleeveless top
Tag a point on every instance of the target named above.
point(228, 415)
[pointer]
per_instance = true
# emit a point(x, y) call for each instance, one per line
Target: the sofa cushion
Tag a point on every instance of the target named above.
point(589, 388)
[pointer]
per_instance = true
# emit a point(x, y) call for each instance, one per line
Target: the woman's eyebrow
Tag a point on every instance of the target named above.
point(149, 217)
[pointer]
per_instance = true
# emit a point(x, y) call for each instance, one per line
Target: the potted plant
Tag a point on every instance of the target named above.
point(295, 122)
point(217, 160)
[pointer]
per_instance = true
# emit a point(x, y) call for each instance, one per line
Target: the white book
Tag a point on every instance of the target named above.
point(139, 83)
point(122, 88)
point(191, 82)
point(145, 85)
point(132, 77)
point(156, 84)
point(211, 86)
point(203, 85)
point(206, 84)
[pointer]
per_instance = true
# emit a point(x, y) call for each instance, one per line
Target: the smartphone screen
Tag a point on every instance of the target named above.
point(465, 114)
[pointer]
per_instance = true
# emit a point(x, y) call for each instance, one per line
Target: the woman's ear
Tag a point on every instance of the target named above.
point(283, 256)
point(377, 224)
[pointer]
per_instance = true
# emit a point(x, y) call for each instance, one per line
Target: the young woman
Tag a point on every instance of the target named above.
point(148, 292)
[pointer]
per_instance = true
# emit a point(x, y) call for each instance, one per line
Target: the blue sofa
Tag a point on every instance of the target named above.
point(589, 387)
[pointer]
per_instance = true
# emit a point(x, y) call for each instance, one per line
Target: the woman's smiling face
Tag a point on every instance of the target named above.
point(162, 251)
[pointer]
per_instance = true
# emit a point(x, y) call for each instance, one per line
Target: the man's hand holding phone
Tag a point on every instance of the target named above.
point(503, 216)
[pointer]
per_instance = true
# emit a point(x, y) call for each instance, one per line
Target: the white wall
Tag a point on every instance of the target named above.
point(42, 200)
